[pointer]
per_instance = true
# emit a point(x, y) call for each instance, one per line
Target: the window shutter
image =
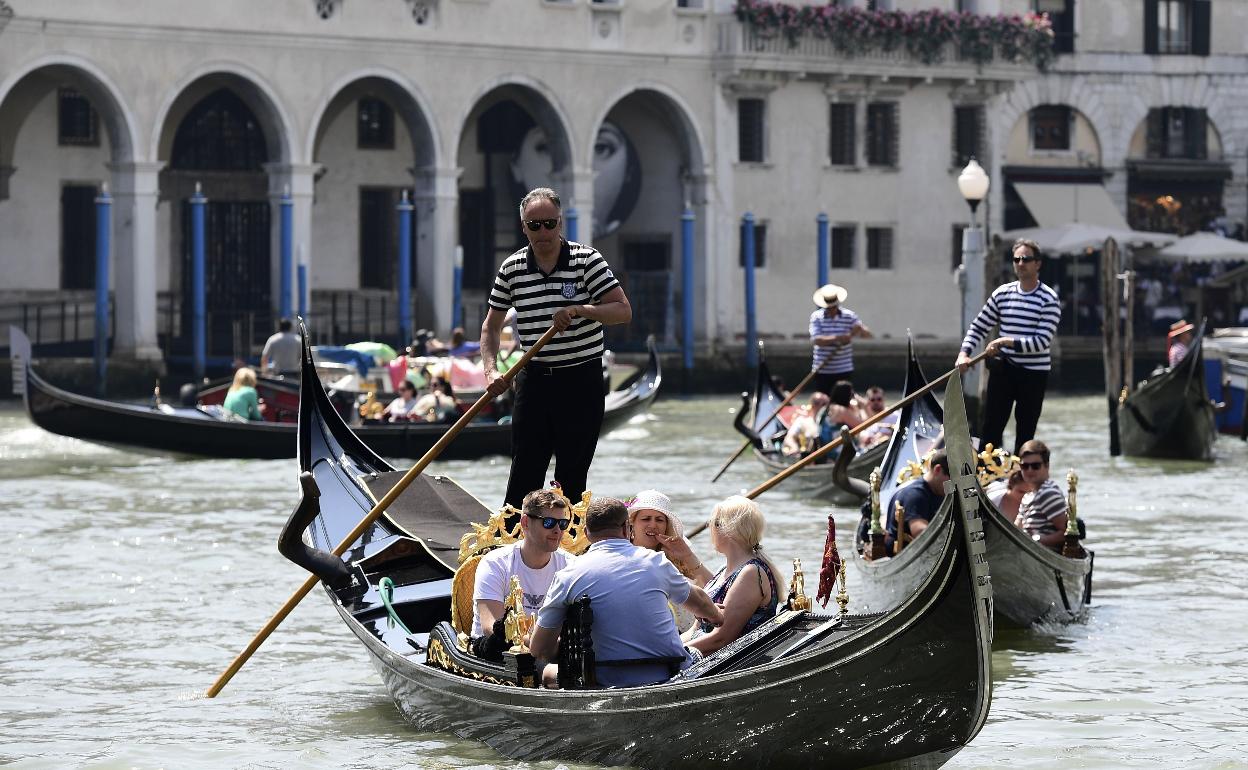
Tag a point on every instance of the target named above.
point(1201, 20)
point(841, 135)
point(894, 135)
point(968, 134)
point(1150, 26)
point(750, 130)
point(1155, 133)
point(1196, 133)
point(843, 247)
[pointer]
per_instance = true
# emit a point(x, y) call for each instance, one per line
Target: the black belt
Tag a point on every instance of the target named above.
point(548, 369)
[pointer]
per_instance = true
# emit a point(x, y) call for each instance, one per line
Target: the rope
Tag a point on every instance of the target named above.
point(386, 589)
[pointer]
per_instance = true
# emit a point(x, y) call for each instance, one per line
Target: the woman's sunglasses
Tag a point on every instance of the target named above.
point(537, 224)
point(550, 522)
point(1024, 466)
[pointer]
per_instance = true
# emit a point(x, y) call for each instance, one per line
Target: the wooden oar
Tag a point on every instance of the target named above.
point(828, 447)
point(805, 381)
point(374, 514)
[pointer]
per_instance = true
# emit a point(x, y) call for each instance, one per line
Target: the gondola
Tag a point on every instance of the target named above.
point(207, 431)
point(766, 435)
point(906, 688)
point(1170, 415)
point(636, 394)
point(1030, 582)
point(1226, 378)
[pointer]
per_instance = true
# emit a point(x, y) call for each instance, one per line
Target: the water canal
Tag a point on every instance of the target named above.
point(134, 579)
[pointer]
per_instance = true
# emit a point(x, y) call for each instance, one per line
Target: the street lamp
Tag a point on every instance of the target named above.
point(973, 184)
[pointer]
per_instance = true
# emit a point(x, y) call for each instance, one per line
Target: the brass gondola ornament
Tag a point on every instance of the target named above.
point(1071, 548)
point(517, 623)
point(798, 600)
point(876, 549)
point(842, 596)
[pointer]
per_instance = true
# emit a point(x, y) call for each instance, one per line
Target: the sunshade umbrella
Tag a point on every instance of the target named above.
point(1205, 247)
point(1076, 237)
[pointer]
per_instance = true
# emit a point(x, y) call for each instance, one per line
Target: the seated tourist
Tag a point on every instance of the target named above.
point(1042, 512)
point(654, 526)
point(803, 435)
point(242, 399)
point(534, 559)
point(844, 409)
point(629, 588)
point(1007, 494)
point(438, 405)
point(461, 346)
point(403, 407)
point(748, 587)
point(920, 498)
point(882, 430)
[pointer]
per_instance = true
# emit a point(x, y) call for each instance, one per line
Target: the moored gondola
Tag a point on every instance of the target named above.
point(1030, 582)
point(636, 394)
point(1170, 415)
point(906, 688)
point(766, 430)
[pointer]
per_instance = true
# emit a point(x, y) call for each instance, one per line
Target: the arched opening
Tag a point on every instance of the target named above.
point(1176, 173)
point(647, 167)
point(512, 141)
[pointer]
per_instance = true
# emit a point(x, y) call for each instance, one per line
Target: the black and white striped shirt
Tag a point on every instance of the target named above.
point(1028, 317)
point(580, 276)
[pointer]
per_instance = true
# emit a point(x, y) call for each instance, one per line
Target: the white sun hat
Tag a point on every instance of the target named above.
point(655, 500)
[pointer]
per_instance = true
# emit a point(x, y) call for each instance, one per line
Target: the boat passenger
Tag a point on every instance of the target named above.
point(803, 435)
point(535, 559)
point(403, 407)
point(438, 405)
point(629, 588)
point(1007, 494)
point(920, 498)
point(1042, 512)
point(282, 351)
point(654, 526)
point(882, 430)
point(844, 409)
point(748, 585)
point(242, 398)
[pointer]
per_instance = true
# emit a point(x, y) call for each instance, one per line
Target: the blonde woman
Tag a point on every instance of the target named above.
point(748, 587)
point(655, 526)
point(242, 398)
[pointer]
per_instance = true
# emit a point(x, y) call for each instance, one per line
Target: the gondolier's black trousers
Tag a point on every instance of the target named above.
point(1012, 388)
point(558, 411)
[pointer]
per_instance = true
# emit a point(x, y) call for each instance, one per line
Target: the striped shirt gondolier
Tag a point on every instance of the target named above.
point(581, 275)
point(1029, 318)
point(1040, 508)
point(833, 359)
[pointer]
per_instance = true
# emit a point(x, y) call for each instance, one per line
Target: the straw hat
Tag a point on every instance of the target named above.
point(830, 295)
point(1179, 327)
point(654, 500)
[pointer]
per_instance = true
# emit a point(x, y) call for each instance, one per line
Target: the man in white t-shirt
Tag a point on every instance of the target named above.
point(535, 560)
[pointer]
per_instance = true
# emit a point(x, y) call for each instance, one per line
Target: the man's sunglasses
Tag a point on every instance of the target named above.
point(1024, 466)
point(1017, 260)
point(549, 522)
point(537, 224)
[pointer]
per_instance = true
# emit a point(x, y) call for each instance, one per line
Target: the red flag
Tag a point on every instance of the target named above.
point(831, 565)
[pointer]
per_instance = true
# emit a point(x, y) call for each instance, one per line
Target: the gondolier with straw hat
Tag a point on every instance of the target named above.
point(1178, 340)
point(832, 330)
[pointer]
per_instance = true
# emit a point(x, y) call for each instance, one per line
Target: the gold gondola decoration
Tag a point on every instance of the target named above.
point(875, 549)
point(842, 596)
point(798, 600)
point(517, 623)
point(1071, 548)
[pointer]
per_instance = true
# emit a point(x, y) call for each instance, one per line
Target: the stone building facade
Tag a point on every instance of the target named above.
point(635, 110)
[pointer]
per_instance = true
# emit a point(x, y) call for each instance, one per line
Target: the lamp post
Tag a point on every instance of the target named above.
point(973, 184)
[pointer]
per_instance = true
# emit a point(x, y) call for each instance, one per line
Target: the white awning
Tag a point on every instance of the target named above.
point(1053, 204)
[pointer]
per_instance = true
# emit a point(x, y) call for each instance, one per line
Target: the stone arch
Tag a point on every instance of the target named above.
point(1180, 92)
point(538, 99)
point(408, 101)
point(1071, 92)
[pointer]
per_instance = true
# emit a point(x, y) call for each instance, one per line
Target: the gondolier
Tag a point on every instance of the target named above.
point(1027, 312)
point(558, 396)
point(832, 330)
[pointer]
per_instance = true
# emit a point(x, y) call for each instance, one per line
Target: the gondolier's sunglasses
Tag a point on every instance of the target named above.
point(550, 522)
point(1017, 260)
point(1024, 466)
point(537, 224)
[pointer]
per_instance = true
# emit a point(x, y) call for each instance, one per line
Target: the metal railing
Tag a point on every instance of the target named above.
point(65, 326)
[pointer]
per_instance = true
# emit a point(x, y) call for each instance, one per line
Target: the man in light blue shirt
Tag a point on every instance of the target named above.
point(629, 589)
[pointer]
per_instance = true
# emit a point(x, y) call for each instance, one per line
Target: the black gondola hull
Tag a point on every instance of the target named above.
point(1170, 416)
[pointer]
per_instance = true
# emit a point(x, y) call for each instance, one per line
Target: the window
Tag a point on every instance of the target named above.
point(78, 236)
point(1050, 127)
point(879, 5)
point(379, 238)
point(843, 246)
point(375, 126)
point(957, 245)
point(690, 3)
point(77, 123)
point(760, 245)
point(841, 135)
point(968, 6)
point(1177, 132)
point(750, 114)
point(879, 248)
point(968, 134)
point(1177, 27)
point(1062, 17)
point(882, 134)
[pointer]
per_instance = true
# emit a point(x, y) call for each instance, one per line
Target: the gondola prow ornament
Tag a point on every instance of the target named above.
point(1071, 548)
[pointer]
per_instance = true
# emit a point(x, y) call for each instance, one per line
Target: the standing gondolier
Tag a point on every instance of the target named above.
point(832, 330)
point(558, 396)
point(1027, 312)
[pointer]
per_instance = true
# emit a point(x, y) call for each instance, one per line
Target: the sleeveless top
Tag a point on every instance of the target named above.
point(761, 614)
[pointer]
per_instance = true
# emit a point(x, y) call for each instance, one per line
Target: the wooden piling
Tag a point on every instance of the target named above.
point(1110, 339)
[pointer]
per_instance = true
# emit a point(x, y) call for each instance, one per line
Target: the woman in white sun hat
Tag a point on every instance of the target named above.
point(656, 527)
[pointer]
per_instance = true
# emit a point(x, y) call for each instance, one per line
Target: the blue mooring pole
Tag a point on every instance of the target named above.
point(686, 282)
point(405, 271)
point(303, 290)
point(103, 244)
point(571, 219)
point(198, 329)
point(821, 222)
point(457, 289)
point(288, 257)
point(751, 327)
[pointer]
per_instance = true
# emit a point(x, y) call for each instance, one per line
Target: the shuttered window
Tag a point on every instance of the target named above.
point(77, 123)
point(879, 248)
point(750, 120)
point(1177, 132)
point(882, 134)
point(1177, 26)
point(1050, 127)
point(1062, 19)
point(968, 134)
point(843, 247)
point(379, 238)
point(374, 125)
point(841, 135)
point(78, 236)
point(760, 245)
